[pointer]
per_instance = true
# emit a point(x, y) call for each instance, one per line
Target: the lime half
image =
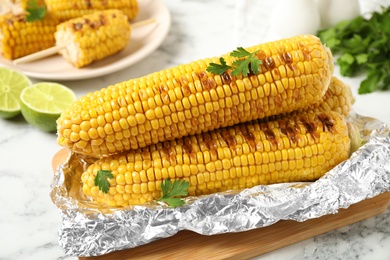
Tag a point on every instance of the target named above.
point(42, 104)
point(11, 85)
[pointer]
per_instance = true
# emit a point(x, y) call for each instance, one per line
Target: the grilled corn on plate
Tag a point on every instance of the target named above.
point(70, 9)
point(93, 37)
point(19, 38)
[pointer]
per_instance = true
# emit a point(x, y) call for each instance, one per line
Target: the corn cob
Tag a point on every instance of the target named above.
point(299, 148)
point(187, 100)
point(93, 37)
point(19, 38)
point(66, 10)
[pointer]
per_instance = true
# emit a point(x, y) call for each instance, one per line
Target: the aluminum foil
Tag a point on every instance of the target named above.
point(89, 231)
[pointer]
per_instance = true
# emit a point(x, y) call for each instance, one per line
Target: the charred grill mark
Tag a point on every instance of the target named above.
point(287, 58)
point(270, 135)
point(327, 122)
point(228, 138)
point(248, 136)
point(275, 72)
point(202, 76)
point(291, 134)
point(227, 78)
point(261, 55)
point(208, 83)
point(88, 3)
point(211, 145)
point(186, 90)
point(269, 63)
point(278, 101)
point(187, 148)
point(310, 128)
point(146, 155)
point(183, 81)
point(77, 26)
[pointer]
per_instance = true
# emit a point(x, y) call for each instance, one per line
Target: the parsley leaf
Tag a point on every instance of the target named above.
point(364, 46)
point(101, 180)
point(35, 12)
point(218, 68)
point(245, 64)
point(172, 190)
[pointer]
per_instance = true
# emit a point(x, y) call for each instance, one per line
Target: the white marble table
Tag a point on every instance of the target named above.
point(28, 219)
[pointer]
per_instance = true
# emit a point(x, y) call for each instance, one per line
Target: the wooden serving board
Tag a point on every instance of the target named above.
point(248, 244)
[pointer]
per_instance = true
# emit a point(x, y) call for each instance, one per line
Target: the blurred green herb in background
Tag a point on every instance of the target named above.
point(35, 12)
point(364, 46)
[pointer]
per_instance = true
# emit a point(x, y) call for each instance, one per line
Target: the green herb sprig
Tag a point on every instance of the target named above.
point(101, 180)
point(363, 46)
point(35, 12)
point(246, 63)
point(172, 191)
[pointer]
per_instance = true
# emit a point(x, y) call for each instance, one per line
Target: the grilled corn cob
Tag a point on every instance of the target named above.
point(65, 10)
point(19, 38)
point(299, 148)
point(187, 100)
point(93, 36)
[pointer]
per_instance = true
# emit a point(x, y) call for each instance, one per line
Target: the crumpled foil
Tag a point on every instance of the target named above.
point(89, 231)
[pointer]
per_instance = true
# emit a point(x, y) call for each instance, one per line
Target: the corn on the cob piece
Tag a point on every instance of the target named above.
point(19, 38)
point(93, 37)
point(187, 100)
point(299, 148)
point(65, 10)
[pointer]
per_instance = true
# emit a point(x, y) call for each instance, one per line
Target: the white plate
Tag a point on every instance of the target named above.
point(144, 40)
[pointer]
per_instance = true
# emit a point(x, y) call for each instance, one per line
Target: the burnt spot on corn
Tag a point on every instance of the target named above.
point(248, 136)
point(261, 55)
point(228, 138)
point(286, 57)
point(327, 122)
point(186, 90)
point(310, 127)
point(187, 148)
point(289, 129)
point(269, 63)
point(270, 135)
point(227, 78)
point(88, 4)
point(208, 83)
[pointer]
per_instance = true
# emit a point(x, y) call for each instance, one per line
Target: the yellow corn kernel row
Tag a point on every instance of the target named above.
point(66, 10)
point(337, 98)
point(93, 37)
point(187, 100)
point(19, 38)
point(302, 147)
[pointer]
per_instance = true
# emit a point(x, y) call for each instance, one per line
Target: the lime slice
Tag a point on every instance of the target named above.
point(11, 85)
point(42, 104)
